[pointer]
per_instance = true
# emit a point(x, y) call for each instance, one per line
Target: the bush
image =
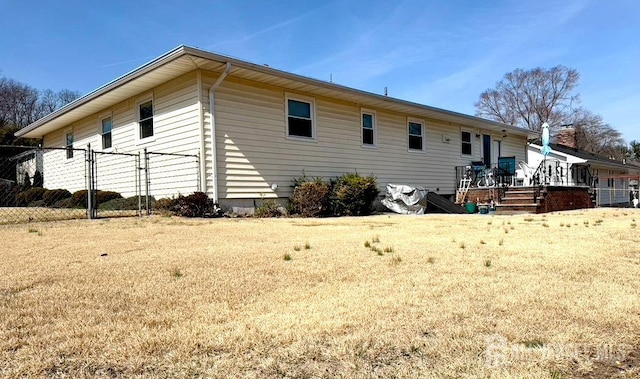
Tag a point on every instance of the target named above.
point(353, 195)
point(269, 208)
point(165, 204)
point(8, 192)
point(128, 204)
point(38, 180)
point(310, 197)
point(198, 204)
point(50, 197)
point(80, 197)
point(24, 198)
point(65, 203)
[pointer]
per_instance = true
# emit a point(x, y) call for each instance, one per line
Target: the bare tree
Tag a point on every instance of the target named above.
point(21, 104)
point(18, 103)
point(529, 98)
point(592, 134)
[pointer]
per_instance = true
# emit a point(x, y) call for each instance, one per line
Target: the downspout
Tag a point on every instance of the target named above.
point(214, 154)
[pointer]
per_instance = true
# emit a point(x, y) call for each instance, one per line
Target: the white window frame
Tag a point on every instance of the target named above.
point(100, 132)
point(374, 125)
point(423, 148)
point(140, 101)
point(462, 142)
point(303, 99)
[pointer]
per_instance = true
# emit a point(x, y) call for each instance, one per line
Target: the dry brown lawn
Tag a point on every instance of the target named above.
point(541, 296)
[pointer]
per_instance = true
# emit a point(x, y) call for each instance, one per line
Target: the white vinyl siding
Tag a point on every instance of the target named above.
point(176, 130)
point(253, 152)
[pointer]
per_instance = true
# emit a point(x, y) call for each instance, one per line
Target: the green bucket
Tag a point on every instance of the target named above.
point(471, 207)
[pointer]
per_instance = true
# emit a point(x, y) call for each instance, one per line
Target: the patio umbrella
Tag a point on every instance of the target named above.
point(546, 150)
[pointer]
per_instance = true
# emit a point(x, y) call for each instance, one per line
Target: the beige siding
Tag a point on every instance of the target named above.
point(253, 151)
point(176, 130)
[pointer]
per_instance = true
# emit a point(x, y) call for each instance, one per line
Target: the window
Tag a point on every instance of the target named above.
point(107, 125)
point(416, 135)
point(69, 145)
point(145, 119)
point(300, 118)
point(466, 142)
point(368, 128)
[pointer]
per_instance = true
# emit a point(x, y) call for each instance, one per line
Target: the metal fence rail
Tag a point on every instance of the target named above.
point(44, 184)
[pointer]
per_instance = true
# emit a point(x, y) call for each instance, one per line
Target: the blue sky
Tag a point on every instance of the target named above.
point(440, 53)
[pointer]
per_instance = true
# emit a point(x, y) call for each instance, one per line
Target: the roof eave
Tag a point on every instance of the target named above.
point(35, 129)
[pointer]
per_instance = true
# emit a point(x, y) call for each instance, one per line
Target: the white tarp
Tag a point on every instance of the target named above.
point(405, 199)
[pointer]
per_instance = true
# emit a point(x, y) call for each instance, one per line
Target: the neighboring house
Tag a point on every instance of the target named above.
point(569, 166)
point(27, 163)
point(256, 128)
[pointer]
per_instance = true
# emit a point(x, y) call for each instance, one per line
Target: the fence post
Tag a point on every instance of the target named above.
point(139, 184)
point(90, 182)
point(146, 175)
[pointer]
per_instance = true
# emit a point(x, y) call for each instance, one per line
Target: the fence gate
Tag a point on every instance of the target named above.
point(114, 184)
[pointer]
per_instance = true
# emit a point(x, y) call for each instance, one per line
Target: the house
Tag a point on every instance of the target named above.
point(255, 128)
point(569, 166)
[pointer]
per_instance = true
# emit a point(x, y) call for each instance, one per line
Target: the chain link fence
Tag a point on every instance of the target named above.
point(46, 184)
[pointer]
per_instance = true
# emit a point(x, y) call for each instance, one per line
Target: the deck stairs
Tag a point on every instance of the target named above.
point(519, 200)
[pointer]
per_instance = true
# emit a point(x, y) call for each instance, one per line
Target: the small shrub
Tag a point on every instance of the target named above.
point(104, 196)
point(198, 204)
point(165, 205)
point(128, 204)
point(38, 180)
point(353, 195)
point(29, 196)
point(176, 273)
point(65, 203)
point(287, 257)
point(310, 197)
point(50, 197)
point(269, 208)
point(367, 244)
point(307, 246)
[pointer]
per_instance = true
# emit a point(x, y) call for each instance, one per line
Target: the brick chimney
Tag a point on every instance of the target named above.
point(567, 137)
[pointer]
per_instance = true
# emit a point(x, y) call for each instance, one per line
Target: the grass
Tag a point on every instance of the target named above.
point(239, 310)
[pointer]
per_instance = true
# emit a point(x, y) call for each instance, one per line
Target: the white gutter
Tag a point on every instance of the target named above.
point(212, 103)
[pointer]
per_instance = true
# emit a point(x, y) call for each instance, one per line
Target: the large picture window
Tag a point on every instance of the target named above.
point(368, 128)
point(107, 125)
point(300, 118)
point(145, 120)
point(416, 135)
